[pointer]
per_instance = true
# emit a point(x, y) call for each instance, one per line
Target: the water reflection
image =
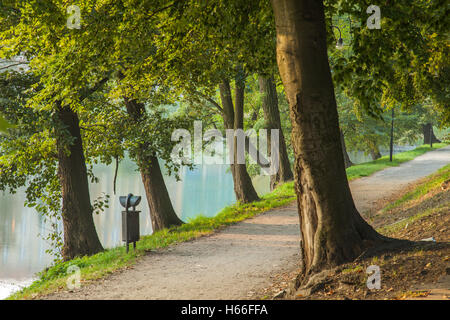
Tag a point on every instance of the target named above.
point(205, 190)
point(359, 156)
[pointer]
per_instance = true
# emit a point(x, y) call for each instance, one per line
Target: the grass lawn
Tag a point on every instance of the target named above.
point(408, 272)
point(430, 183)
point(368, 168)
point(104, 263)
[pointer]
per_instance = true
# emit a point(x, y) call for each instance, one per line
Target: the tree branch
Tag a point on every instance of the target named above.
point(210, 100)
point(13, 65)
point(163, 8)
point(87, 92)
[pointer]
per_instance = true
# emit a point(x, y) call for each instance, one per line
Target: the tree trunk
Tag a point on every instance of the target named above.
point(347, 162)
point(428, 134)
point(272, 118)
point(332, 231)
point(234, 119)
point(391, 144)
point(161, 210)
point(162, 213)
point(80, 236)
point(375, 153)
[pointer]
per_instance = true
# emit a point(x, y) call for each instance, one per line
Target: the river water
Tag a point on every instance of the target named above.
point(204, 190)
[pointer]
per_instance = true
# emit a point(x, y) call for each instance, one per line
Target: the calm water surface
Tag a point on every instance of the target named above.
point(205, 190)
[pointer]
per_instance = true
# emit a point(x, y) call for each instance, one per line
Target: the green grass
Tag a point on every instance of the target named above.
point(368, 168)
point(392, 228)
point(428, 185)
point(108, 261)
point(101, 264)
point(354, 269)
point(431, 183)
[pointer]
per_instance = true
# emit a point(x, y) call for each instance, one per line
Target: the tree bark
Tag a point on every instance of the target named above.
point(347, 162)
point(162, 213)
point(375, 153)
point(233, 118)
point(391, 143)
point(80, 236)
point(161, 210)
point(332, 231)
point(428, 134)
point(272, 118)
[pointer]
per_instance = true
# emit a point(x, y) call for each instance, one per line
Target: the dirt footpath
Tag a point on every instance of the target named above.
point(241, 259)
point(368, 191)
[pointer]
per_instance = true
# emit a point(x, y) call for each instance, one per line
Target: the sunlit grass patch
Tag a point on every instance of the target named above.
point(430, 184)
point(355, 269)
point(402, 224)
point(108, 261)
point(368, 168)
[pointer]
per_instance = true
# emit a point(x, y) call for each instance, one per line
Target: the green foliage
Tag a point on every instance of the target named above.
point(403, 63)
point(365, 133)
point(160, 52)
point(27, 151)
point(4, 125)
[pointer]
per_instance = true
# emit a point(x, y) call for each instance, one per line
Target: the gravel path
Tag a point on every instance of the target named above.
point(235, 262)
point(381, 185)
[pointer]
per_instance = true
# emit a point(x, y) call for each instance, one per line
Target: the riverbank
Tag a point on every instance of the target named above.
point(417, 270)
point(103, 264)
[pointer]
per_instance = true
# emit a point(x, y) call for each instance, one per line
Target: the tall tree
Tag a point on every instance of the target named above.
point(428, 134)
point(347, 162)
point(332, 231)
point(233, 117)
point(272, 117)
point(46, 143)
point(162, 213)
point(80, 236)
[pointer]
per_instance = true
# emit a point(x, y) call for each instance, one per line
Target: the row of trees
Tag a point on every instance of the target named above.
point(97, 108)
point(94, 93)
point(368, 134)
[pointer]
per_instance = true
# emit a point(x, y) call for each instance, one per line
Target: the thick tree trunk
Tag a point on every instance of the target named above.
point(272, 118)
point(428, 134)
point(375, 153)
point(162, 213)
point(161, 210)
point(234, 119)
point(80, 236)
point(332, 231)
point(347, 162)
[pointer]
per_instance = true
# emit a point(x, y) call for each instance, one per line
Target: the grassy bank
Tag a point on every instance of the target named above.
point(411, 271)
point(368, 168)
point(104, 263)
point(427, 187)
